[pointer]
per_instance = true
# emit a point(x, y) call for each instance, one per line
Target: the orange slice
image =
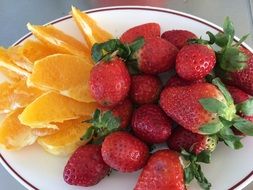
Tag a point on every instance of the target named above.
point(10, 75)
point(67, 74)
point(15, 54)
point(40, 132)
point(90, 30)
point(7, 62)
point(35, 50)
point(17, 95)
point(14, 135)
point(53, 107)
point(67, 139)
point(58, 40)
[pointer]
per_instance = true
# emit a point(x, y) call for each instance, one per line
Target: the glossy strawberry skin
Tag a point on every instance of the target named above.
point(109, 82)
point(181, 103)
point(156, 56)
point(182, 138)
point(195, 61)
point(124, 152)
point(177, 81)
point(123, 110)
point(151, 124)
point(243, 79)
point(86, 166)
point(178, 38)
point(145, 89)
point(148, 30)
point(162, 172)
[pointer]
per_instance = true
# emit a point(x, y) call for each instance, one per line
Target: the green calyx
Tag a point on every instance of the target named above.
point(102, 124)
point(246, 107)
point(202, 41)
point(225, 118)
point(114, 47)
point(230, 58)
point(193, 169)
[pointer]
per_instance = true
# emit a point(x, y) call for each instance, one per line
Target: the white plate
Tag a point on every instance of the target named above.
point(36, 169)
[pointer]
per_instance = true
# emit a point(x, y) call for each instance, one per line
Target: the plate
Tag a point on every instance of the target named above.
point(36, 169)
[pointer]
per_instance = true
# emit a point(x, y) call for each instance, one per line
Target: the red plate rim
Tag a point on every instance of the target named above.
point(24, 181)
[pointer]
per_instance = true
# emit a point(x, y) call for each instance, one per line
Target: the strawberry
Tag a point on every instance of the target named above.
point(181, 103)
point(123, 111)
point(244, 105)
point(202, 108)
point(151, 124)
point(178, 38)
point(177, 81)
point(148, 30)
point(155, 56)
point(145, 89)
point(195, 61)
point(109, 82)
point(162, 172)
point(184, 139)
point(124, 152)
point(235, 63)
point(86, 166)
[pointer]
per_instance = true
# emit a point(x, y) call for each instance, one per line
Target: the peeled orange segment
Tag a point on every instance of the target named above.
point(67, 74)
point(14, 135)
point(15, 54)
point(35, 50)
point(40, 132)
point(53, 107)
point(10, 75)
point(67, 139)
point(58, 40)
point(90, 30)
point(17, 95)
point(7, 62)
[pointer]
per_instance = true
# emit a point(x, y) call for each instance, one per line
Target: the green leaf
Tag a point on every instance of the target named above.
point(217, 82)
point(108, 49)
point(221, 39)
point(226, 123)
point(204, 156)
point(243, 125)
point(228, 27)
point(241, 40)
point(211, 128)
point(213, 105)
point(188, 174)
point(88, 135)
point(233, 59)
point(137, 44)
point(246, 107)
point(200, 177)
point(230, 139)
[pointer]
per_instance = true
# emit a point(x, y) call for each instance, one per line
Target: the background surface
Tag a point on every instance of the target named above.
point(14, 15)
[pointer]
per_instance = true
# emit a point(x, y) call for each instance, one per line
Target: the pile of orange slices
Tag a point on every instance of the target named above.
point(45, 96)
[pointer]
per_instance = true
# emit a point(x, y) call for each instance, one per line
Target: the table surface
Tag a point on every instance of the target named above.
point(14, 15)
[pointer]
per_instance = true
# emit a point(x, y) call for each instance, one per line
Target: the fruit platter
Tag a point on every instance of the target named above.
point(105, 99)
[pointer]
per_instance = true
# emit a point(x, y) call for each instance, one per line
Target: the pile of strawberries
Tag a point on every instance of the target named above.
point(189, 114)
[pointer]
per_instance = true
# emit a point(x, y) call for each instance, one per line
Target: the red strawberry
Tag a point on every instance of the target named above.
point(109, 82)
point(156, 56)
point(151, 124)
point(182, 138)
point(177, 81)
point(243, 79)
point(243, 101)
point(123, 111)
point(148, 30)
point(178, 38)
point(162, 172)
point(86, 166)
point(195, 61)
point(145, 89)
point(124, 152)
point(182, 104)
